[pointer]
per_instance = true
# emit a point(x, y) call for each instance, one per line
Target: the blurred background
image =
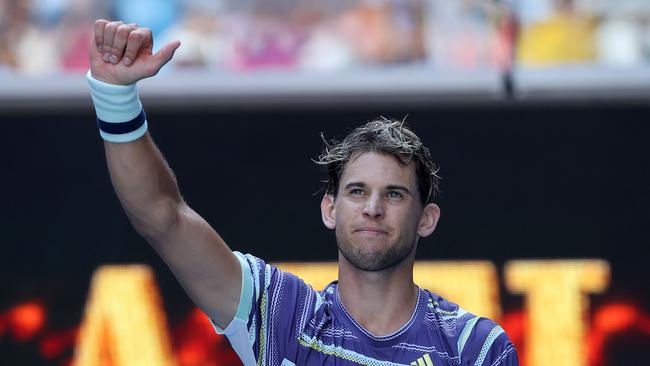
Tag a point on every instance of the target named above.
point(535, 110)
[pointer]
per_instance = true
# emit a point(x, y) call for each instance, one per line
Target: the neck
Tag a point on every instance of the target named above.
point(383, 301)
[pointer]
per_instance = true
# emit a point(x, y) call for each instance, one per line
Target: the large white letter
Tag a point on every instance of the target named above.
point(124, 324)
point(556, 305)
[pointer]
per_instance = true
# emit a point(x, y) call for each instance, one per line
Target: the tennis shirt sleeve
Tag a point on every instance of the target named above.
point(273, 306)
point(486, 343)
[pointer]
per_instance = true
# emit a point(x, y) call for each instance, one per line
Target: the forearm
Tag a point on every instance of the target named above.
point(145, 185)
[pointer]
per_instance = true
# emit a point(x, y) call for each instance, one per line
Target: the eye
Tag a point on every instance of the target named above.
point(356, 192)
point(394, 194)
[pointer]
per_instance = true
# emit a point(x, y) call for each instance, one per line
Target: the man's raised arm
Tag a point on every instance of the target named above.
point(210, 273)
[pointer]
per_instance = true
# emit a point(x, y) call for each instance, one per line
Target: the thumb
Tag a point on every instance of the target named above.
point(165, 54)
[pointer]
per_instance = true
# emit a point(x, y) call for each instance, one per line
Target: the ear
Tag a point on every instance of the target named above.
point(428, 220)
point(327, 211)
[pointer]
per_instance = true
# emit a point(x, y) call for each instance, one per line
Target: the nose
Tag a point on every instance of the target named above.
point(374, 207)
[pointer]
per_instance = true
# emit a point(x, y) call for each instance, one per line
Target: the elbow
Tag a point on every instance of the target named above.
point(159, 220)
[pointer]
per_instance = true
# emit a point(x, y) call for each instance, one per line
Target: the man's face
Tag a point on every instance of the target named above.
point(377, 213)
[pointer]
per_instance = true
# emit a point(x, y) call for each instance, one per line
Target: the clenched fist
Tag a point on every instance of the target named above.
point(121, 53)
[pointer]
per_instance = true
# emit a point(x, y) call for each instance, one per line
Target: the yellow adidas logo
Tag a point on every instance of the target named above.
point(423, 361)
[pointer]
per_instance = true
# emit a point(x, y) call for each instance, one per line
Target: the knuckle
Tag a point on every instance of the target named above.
point(113, 26)
point(135, 36)
point(123, 31)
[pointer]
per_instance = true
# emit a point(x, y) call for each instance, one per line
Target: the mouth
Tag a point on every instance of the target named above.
point(371, 231)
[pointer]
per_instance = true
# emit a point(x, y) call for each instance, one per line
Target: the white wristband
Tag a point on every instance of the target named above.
point(119, 112)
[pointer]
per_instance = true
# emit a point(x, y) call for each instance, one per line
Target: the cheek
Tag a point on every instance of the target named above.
point(410, 220)
point(344, 211)
point(341, 219)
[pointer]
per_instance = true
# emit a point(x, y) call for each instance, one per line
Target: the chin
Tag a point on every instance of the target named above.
point(374, 260)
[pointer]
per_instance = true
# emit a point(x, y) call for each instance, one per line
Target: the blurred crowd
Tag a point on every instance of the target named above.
point(41, 36)
point(609, 32)
point(45, 36)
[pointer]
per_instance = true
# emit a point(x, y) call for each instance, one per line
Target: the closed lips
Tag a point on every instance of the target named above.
point(371, 230)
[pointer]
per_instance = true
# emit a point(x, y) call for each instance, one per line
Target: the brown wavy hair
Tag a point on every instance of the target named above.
point(387, 136)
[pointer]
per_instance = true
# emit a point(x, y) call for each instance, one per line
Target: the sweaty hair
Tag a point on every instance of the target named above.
point(385, 136)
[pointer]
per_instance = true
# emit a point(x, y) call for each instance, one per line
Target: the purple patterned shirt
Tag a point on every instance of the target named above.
point(281, 321)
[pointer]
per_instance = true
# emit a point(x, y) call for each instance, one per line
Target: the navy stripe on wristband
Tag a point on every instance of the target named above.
point(122, 127)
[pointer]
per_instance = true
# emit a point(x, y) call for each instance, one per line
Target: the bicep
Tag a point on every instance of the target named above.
point(203, 264)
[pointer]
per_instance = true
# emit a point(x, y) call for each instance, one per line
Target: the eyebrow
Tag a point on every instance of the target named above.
point(355, 184)
point(391, 187)
point(394, 187)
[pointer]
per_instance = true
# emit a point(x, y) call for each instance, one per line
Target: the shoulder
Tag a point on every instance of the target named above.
point(479, 341)
point(267, 278)
point(484, 342)
point(452, 320)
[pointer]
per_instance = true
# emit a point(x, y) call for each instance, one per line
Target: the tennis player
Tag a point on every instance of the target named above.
point(379, 201)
